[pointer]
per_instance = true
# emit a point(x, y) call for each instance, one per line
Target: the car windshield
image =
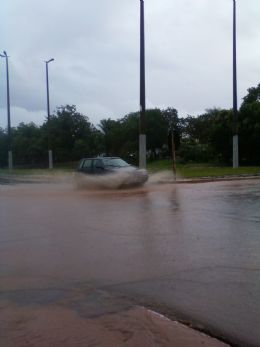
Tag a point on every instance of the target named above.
point(115, 162)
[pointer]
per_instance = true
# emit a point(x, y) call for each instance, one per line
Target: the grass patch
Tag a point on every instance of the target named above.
point(185, 171)
point(25, 172)
point(58, 169)
point(201, 170)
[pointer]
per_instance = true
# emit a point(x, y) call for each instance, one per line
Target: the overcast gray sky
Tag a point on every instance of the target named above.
point(96, 49)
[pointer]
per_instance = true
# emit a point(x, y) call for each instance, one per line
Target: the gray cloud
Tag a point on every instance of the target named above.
point(96, 51)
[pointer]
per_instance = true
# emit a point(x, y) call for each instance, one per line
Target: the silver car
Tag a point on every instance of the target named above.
point(112, 171)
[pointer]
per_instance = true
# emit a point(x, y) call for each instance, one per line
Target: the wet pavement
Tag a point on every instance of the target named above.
point(191, 251)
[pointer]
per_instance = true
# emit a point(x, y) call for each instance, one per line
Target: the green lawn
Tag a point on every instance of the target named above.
point(36, 171)
point(201, 170)
point(58, 168)
point(185, 171)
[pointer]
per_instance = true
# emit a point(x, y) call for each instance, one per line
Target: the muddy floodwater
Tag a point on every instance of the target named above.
point(191, 251)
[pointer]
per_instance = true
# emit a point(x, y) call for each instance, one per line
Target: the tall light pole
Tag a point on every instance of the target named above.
point(142, 121)
point(235, 125)
point(10, 154)
point(48, 115)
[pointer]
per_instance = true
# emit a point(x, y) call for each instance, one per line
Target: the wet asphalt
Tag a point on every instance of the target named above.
point(192, 251)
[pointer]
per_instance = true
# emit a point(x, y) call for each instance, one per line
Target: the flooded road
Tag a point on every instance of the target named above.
point(189, 249)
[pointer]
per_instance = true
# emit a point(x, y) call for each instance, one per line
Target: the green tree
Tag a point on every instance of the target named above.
point(27, 144)
point(112, 132)
point(175, 125)
point(3, 148)
point(208, 137)
point(122, 136)
point(130, 137)
point(157, 131)
point(71, 134)
point(249, 127)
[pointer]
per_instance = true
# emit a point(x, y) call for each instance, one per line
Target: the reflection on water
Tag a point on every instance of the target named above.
point(52, 236)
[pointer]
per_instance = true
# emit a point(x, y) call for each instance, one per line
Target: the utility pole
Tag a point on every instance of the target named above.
point(10, 154)
point(142, 121)
point(173, 155)
point(48, 115)
point(235, 125)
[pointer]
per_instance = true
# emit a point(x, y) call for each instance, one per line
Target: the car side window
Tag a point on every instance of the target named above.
point(87, 164)
point(80, 164)
point(98, 163)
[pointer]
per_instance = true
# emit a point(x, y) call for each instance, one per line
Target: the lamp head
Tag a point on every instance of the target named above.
point(3, 55)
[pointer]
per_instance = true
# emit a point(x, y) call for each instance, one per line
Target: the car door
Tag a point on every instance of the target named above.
point(98, 167)
point(87, 166)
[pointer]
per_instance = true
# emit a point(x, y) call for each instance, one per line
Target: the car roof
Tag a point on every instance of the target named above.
point(100, 158)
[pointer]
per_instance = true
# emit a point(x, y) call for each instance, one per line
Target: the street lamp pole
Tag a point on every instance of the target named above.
point(48, 115)
point(235, 125)
point(142, 121)
point(10, 154)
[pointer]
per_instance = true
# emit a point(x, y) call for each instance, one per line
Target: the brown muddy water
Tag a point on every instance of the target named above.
point(58, 326)
point(71, 255)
